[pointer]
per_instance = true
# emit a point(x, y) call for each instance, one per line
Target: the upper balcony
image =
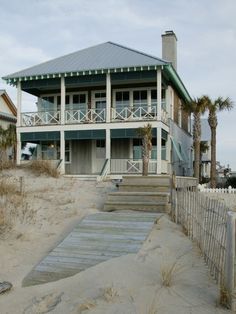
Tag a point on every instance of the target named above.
point(143, 112)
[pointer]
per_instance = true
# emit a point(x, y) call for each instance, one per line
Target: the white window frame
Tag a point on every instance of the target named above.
point(70, 152)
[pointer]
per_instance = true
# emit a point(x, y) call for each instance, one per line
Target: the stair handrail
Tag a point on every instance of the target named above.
point(104, 171)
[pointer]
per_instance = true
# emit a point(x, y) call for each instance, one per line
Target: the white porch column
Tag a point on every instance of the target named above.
point(19, 100)
point(108, 97)
point(18, 146)
point(108, 148)
point(62, 152)
point(168, 153)
point(63, 99)
point(159, 150)
point(159, 94)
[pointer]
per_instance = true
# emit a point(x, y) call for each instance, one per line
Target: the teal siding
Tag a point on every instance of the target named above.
point(128, 133)
point(85, 135)
point(40, 136)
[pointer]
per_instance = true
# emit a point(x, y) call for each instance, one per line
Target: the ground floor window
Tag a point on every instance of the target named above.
point(50, 150)
point(138, 149)
point(68, 152)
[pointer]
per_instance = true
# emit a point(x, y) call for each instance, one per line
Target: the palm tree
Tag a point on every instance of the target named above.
point(196, 107)
point(213, 107)
point(146, 134)
point(203, 149)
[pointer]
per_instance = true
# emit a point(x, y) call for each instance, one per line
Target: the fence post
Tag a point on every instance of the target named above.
point(230, 269)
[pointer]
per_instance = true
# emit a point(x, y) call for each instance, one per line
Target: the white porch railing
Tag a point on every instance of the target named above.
point(131, 166)
point(85, 116)
point(40, 118)
point(133, 113)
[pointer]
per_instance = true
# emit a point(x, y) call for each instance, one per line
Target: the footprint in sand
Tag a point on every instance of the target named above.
point(44, 304)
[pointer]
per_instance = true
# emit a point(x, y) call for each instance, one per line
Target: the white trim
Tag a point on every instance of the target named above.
point(159, 95)
point(108, 97)
point(70, 152)
point(63, 100)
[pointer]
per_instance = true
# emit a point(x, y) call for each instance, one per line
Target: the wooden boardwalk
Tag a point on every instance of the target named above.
point(95, 239)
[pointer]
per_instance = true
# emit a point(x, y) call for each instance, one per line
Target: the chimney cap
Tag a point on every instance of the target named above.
point(169, 33)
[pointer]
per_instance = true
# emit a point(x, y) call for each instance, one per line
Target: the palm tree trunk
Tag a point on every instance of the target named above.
point(212, 120)
point(196, 143)
point(213, 157)
point(145, 156)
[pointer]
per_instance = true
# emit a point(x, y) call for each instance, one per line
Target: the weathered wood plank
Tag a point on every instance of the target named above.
point(95, 239)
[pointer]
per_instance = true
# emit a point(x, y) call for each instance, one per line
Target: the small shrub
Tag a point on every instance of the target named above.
point(13, 205)
point(168, 272)
point(8, 164)
point(44, 167)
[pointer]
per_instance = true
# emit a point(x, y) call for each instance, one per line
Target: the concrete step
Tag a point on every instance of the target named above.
point(135, 187)
point(147, 180)
point(160, 207)
point(82, 177)
point(138, 196)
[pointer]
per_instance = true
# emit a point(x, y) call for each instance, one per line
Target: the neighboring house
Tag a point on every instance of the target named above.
point(8, 115)
point(206, 156)
point(92, 102)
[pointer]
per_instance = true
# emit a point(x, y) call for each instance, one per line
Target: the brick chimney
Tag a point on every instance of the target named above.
point(169, 48)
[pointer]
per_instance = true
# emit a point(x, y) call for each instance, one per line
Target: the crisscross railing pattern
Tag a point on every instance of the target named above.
point(40, 118)
point(85, 116)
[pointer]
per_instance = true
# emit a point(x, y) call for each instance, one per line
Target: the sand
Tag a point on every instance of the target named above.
point(129, 284)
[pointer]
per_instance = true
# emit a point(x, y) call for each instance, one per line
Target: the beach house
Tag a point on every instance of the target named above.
point(90, 104)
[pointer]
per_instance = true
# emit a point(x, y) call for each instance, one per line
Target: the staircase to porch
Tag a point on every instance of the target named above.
point(140, 193)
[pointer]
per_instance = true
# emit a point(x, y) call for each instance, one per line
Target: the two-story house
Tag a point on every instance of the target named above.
point(92, 102)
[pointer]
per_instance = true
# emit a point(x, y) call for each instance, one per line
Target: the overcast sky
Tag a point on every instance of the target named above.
point(33, 31)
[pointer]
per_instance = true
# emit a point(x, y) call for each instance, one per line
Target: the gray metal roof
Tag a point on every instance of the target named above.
point(108, 55)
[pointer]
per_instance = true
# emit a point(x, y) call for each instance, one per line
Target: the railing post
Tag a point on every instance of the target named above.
point(230, 261)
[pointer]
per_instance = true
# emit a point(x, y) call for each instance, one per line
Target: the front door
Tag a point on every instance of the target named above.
point(99, 105)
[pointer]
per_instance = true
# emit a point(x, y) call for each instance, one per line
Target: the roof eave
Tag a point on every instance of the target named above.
point(12, 80)
point(177, 82)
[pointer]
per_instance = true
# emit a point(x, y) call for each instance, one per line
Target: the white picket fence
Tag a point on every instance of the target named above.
point(228, 190)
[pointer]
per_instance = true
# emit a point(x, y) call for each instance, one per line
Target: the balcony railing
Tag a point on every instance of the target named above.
point(72, 116)
point(40, 118)
point(133, 113)
point(131, 166)
point(85, 116)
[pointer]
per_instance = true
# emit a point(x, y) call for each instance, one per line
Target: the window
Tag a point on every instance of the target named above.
point(163, 149)
point(67, 151)
point(100, 95)
point(122, 97)
point(50, 150)
point(140, 99)
point(79, 99)
point(100, 149)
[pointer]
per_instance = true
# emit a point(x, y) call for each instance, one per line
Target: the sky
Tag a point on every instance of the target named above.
point(34, 31)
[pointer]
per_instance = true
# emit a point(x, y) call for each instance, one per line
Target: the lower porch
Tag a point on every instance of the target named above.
point(87, 152)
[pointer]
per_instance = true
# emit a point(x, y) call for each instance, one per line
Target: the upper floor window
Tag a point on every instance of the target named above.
point(122, 99)
point(140, 98)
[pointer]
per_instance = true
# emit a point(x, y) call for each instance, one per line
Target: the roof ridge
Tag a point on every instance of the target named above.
point(137, 51)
